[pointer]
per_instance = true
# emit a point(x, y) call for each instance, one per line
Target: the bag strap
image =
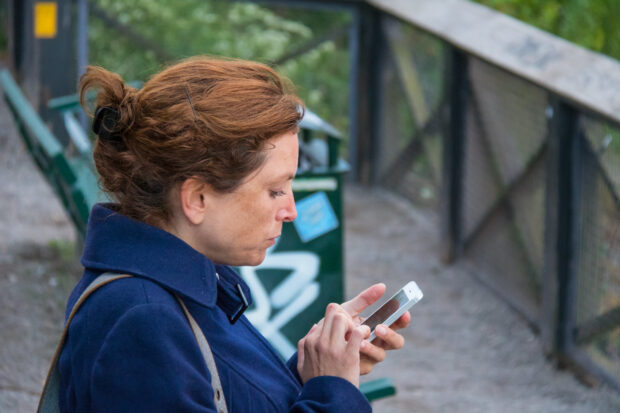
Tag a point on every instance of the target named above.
point(48, 403)
point(218, 391)
point(49, 398)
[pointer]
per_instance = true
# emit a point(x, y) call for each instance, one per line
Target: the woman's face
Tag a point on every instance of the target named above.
point(240, 226)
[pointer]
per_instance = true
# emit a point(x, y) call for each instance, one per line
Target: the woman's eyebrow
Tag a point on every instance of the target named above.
point(284, 177)
point(280, 179)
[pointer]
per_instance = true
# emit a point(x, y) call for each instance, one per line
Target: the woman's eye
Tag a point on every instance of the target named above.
point(276, 193)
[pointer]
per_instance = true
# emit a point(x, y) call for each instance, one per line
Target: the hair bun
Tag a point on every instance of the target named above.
point(105, 123)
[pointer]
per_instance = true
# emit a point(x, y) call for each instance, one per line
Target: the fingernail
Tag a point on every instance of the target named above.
point(380, 330)
point(363, 344)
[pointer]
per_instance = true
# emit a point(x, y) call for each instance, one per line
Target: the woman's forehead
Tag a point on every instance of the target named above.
point(281, 160)
point(280, 163)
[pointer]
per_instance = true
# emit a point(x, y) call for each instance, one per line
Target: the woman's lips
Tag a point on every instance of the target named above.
point(272, 241)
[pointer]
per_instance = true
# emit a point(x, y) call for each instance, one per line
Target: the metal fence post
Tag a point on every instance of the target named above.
point(58, 66)
point(365, 115)
point(24, 48)
point(453, 151)
point(14, 24)
point(561, 229)
point(354, 52)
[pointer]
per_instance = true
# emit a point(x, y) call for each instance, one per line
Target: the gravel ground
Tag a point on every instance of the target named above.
point(465, 350)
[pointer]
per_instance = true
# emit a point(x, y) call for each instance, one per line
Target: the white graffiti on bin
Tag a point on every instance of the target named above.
point(293, 295)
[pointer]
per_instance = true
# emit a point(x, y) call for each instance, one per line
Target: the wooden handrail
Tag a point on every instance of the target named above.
point(584, 78)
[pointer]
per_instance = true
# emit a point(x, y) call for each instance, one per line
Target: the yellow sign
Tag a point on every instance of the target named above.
point(45, 19)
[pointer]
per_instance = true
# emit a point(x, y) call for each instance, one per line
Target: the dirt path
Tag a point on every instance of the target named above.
point(466, 351)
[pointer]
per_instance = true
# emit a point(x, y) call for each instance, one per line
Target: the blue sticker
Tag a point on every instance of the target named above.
point(315, 217)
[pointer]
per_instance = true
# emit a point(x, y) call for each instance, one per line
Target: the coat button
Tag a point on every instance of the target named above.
point(217, 395)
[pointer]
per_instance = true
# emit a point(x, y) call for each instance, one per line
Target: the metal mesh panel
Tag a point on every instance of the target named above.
point(397, 124)
point(597, 311)
point(409, 158)
point(504, 184)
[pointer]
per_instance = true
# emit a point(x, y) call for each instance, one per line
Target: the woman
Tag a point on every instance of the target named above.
point(200, 162)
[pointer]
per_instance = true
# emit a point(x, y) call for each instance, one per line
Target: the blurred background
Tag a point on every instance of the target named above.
point(471, 146)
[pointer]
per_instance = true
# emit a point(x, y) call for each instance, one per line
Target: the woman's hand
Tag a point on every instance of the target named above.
point(332, 348)
point(387, 338)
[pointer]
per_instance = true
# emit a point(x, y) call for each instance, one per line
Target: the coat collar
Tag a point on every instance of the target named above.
point(117, 243)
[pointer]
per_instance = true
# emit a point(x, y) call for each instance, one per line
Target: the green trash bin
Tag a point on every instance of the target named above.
point(303, 271)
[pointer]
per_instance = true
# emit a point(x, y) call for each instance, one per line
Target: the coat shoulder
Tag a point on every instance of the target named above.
point(110, 302)
point(127, 293)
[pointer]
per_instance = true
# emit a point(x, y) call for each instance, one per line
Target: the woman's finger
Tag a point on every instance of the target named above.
point(367, 297)
point(340, 326)
point(313, 329)
point(300, 354)
point(390, 340)
point(373, 353)
point(366, 364)
point(328, 320)
point(357, 335)
point(402, 322)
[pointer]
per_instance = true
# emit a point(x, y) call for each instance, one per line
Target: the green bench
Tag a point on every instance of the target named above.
point(68, 170)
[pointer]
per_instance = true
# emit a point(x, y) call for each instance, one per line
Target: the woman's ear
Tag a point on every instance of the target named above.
point(194, 200)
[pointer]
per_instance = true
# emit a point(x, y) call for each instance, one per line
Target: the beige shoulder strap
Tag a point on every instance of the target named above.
point(218, 392)
point(49, 397)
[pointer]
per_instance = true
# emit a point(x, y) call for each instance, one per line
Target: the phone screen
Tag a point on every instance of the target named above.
point(386, 310)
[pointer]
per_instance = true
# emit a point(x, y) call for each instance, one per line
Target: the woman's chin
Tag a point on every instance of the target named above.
point(250, 260)
point(257, 259)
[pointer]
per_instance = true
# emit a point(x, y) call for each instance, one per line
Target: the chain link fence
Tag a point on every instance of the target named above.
point(412, 84)
point(503, 182)
point(597, 298)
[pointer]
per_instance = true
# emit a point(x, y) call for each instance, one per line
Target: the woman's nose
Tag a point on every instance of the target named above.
point(289, 212)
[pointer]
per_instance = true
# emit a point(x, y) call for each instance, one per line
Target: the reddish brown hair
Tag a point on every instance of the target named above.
point(203, 117)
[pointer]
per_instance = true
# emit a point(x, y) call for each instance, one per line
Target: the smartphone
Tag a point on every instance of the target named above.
point(393, 308)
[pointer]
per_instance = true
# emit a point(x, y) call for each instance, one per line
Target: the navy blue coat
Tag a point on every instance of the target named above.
point(131, 349)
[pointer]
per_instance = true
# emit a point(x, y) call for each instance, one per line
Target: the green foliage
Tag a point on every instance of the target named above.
point(190, 27)
point(589, 23)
